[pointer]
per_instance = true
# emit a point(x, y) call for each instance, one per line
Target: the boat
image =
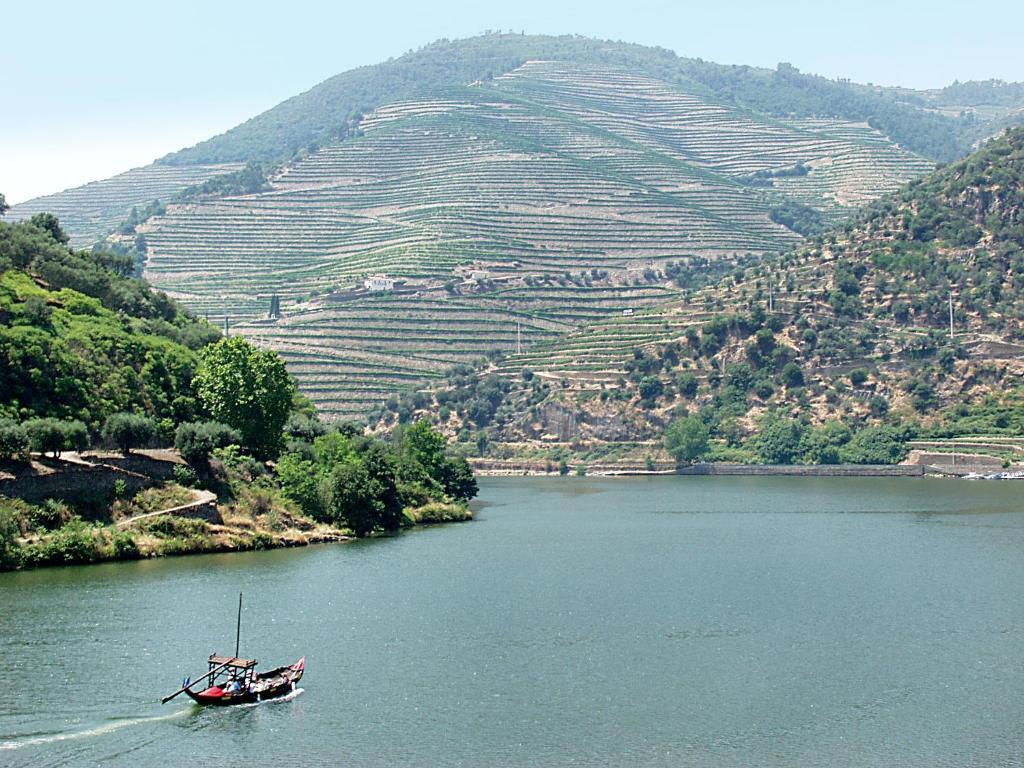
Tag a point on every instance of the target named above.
point(234, 680)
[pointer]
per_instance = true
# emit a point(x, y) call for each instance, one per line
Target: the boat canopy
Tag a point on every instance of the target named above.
point(231, 661)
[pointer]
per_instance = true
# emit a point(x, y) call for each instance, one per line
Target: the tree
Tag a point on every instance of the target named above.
point(687, 439)
point(650, 388)
point(792, 375)
point(51, 224)
point(128, 430)
point(687, 384)
point(778, 441)
point(299, 479)
point(348, 498)
point(458, 480)
point(54, 436)
point(248, 389)
point(14, 442)
point(4, 207)
point(197, 440)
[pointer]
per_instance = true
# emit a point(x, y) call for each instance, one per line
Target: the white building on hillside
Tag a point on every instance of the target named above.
point(379, 283)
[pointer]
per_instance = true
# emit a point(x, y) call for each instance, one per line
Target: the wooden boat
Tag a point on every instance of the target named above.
point(233, 680)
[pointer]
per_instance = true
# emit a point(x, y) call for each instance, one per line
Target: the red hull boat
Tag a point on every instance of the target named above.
point(238, 683)
point(232, 680)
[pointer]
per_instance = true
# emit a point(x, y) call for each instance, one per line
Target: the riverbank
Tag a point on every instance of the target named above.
point(493, 468)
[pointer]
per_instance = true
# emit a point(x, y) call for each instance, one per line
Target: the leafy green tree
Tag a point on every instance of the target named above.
point(650, 388)
point(196, 441)
point(458, 480)
point(248, 389)
point(877, 445)
point(49, 435)
point(349, 498)
point(687, 384)
point(50, 223)
point(792, 375)
point(10, 550)
point(4, 207)
point(300, 482)
point(777, 441)
point(14, 442)
point(687, 439)
point(128, 430)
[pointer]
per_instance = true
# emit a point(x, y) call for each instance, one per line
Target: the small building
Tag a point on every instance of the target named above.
point(379, 283)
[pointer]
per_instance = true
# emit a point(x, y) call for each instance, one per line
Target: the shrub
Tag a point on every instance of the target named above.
point(10, 529)
point(687, 439)
point(128, 430)
point(858, 376)
point(197, 440)
point(778, 441)
point(792, 375)
point(55, 436)
point(14, 442)
point(876, 445)
point(74, 543)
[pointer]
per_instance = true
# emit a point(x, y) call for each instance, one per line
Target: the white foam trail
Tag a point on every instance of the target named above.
point(287, 697)
point(84, 734)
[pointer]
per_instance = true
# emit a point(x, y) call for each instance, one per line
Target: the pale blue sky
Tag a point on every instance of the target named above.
point(92, 89)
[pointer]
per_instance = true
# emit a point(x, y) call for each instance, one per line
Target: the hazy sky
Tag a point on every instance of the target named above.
point(90, 89)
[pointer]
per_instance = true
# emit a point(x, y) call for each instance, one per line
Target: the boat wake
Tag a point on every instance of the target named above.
point(33, 741)
point(287, 697)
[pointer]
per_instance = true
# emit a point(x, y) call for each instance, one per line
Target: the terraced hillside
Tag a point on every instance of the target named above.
point(550, 197)
point(912, 315)
point(89, 213)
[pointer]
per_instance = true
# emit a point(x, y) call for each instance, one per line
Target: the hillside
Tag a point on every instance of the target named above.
point(91, 212)
point(329, 110)
point(518, 187)
point(79, 339)
point(853, 327)
point(515, 211)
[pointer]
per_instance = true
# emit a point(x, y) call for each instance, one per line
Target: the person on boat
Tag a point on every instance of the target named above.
point(235, 685)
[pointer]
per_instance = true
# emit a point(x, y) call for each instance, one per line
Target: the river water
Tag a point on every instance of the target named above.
point(652, 622)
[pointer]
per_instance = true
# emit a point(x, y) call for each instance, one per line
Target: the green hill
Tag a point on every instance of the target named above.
point(518, 187)
point(80, 339)
point(853, 326)
point(329, 110)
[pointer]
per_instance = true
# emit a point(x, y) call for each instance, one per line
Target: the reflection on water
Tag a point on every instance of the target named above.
point(578, 621)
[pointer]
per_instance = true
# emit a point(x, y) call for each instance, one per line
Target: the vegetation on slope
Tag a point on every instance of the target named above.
point(80, 339)
point(849, 359)
point(328, 111)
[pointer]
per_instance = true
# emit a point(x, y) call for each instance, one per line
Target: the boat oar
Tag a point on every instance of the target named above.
point(184, 688)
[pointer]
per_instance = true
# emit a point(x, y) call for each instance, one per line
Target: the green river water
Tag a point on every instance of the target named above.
point(684, 621)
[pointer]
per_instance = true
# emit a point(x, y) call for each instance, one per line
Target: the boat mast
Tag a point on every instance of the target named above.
point(238, 627)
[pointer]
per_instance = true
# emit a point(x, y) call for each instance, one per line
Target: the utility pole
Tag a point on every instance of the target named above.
point(950, 314)
point(519, 339)
point(771, 297)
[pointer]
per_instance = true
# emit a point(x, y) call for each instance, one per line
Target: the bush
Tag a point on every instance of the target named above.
point(75, 543)
point(299, 482)
point(14, 442)
point(792, 375)
point(777, 442)
point(687, 439)
point(858, 376)
point(128, 430)
point(10, 529)
point(55, 436)
point(197, 440)
point(876, 445)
